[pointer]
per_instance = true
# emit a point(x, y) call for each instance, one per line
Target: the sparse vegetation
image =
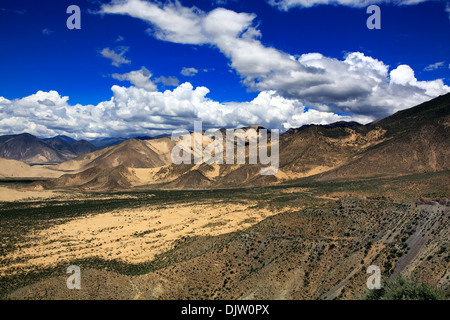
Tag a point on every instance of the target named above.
point(404, 289)
point(313, 234)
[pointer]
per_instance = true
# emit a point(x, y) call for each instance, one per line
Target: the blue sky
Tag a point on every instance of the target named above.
point(146, 67)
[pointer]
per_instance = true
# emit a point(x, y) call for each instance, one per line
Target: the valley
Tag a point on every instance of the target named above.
point(346, 197)
point(308, 240)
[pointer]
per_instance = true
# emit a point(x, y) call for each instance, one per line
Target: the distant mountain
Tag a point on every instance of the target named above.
point(415, 140)
point(144, 138)
point(106, 142)
point(132, 153)
point(62, 138)
point(115, 166)
point(30, 149)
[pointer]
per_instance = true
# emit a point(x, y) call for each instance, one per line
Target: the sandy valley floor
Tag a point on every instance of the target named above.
point(131, 235)
point(8, 194)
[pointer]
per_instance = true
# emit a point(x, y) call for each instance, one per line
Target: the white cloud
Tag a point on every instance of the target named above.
point(117, 58)
point(172, 22)
point(189, 72)
point(404, 76)
point(434, 66)
point(288, 4)
point(133, 111)
point(140, 78)
point(357, 84)
point(168, 81)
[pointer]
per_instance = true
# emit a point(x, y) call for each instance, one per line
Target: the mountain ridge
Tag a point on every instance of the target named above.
point(414, 140)
point(30, 149)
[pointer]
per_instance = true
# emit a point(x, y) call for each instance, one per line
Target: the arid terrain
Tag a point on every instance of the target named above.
point(346, 197)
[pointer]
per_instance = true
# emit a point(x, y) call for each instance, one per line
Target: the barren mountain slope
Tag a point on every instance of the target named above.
point(131, 153)
point(411, 141)
point(30, 149)
point(316, 253)
point(17, 169)
point(424, 150)
point(418, 141)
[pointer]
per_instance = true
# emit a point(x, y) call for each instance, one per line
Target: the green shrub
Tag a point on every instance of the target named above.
point(404, 289)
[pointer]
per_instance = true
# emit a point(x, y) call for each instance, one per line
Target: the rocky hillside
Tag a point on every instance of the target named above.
point(316, 253)
point(30, 149)
point(411, 141)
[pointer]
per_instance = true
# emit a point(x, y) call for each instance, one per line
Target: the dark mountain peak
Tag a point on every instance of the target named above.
point(143, 138)
point(62, 138)
point(24, 136)
point(339, 124)
point(82, 147)
point(83, 142)
point(31, 149)
point(106, 142)
point(342, 124)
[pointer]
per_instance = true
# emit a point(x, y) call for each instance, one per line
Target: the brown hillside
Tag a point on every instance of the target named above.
point(411, 141)
point(424, 150)
point(190, 180)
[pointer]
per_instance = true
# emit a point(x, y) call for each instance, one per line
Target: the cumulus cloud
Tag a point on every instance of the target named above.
point(294, 89)
point(403, 75)
point(274, 111)
point(356, 84)
point(134, 111)
point(189, 72)
point(43, 113)
point(116, 56)
point(140, 78)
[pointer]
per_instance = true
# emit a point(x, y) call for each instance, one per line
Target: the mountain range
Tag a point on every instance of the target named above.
point(415, 140)
point(30, 149)
point(34, 150)
point(346, 197)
